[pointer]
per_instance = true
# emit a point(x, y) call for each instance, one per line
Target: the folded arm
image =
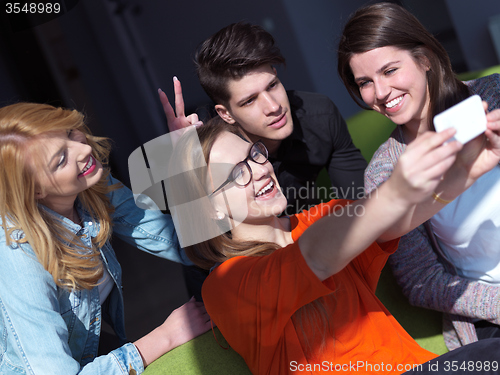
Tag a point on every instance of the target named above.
point(427, 283)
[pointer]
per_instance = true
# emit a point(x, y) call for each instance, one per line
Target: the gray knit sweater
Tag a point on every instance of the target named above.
point(420, 268)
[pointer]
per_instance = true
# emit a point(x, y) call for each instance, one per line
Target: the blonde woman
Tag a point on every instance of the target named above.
point(59, 275)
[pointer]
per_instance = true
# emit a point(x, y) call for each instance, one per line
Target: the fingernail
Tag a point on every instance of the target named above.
point(160, 91)
point(175, 78)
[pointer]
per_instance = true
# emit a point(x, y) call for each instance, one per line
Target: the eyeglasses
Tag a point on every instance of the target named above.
point(241, 174)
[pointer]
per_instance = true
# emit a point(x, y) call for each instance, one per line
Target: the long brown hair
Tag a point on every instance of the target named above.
point(56, 248)
point(388, 24)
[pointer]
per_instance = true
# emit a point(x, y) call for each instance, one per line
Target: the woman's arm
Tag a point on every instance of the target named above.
point(34, 320)
point(404, 201)
point(476, 158)
point(39, 314)
point(426, 282)
point(185, 323)
point(332, 242)
point(381, 165)
point(147, 229)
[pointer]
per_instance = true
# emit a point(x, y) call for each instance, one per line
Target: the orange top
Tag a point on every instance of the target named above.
point(253, 300)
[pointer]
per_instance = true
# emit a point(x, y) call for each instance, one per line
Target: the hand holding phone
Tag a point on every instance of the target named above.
point(467, 117)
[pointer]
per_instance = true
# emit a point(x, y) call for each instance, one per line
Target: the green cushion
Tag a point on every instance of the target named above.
point(369, 129)
point(202, 355)
point(479, 73)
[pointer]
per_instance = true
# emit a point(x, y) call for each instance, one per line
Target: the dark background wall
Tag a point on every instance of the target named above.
point(107, 58)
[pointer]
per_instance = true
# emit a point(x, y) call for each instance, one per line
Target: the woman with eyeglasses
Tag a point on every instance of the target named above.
point(59, 276)
point(297, 294)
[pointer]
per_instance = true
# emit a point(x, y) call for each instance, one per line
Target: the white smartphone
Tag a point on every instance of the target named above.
point(467, 117)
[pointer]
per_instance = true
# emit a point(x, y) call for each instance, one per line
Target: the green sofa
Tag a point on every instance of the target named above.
point(206, 355)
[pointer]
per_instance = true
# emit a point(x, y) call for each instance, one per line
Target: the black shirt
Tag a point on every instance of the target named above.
point(320, 139)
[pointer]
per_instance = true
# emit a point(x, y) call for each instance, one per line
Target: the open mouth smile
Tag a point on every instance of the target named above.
point(266, 189)
point(89, 167)
point(394, 102)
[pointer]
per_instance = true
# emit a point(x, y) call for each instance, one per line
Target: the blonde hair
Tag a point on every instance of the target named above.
point(56, 248)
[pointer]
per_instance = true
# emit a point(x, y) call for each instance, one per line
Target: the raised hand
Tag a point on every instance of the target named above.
point(477, 157)
point(186, 322)
point(423, 165)
point(183, 324)
point(483, 153)
point(177, 119)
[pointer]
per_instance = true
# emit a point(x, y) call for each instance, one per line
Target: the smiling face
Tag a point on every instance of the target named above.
point(259, 104)
point(255, 203)
point(64, 167)
point(392, 83)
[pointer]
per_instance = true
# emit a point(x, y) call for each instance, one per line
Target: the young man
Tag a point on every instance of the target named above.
point(304, 132)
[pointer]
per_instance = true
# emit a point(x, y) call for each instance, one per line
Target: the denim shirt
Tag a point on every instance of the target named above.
point(45, 329)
